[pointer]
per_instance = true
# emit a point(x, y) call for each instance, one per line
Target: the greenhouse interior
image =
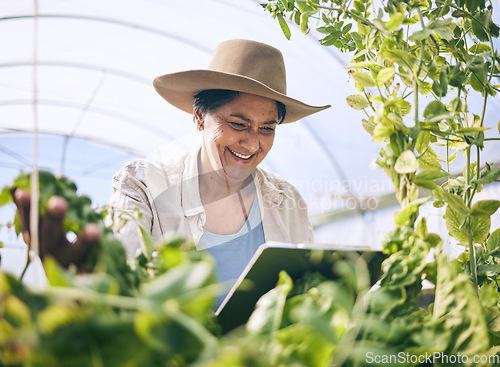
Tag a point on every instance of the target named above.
point(77, 100)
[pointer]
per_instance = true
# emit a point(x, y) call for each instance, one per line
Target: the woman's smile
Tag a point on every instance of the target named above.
point(239, 155)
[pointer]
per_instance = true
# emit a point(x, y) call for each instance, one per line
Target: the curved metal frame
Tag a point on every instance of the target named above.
point(333, 162)
point(98, 110)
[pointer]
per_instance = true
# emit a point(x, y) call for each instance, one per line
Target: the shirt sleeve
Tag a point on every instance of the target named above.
point(130, 206)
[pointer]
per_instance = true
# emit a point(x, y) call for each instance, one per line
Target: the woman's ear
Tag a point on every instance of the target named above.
point(198, 118)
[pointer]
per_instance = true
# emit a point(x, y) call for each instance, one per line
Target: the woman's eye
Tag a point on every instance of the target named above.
point(267, 130)
point(238, 126)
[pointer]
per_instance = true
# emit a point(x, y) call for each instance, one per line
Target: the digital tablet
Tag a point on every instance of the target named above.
point(262, 273)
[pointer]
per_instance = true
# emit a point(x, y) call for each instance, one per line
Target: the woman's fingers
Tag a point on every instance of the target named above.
point(76, 253)
point(22, 199)
point(53, 239)
point(52, 235)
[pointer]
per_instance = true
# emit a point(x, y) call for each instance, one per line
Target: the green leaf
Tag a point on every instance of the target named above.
point(454, 223)
point(443, 27)
point(439, 88)
point(395, 21)
point(179, 281)
point(385, 75)
point(456, 202)
point(363, 65)
point(359, 6)
point(432, 174)
point(471, 129)
point(493, 241)
point(452, 157)
point(284, 26)
point(414, 19)
point(304, 23)
point(423, 140)
point(485, 208)
point(479, 48)
point(457, 308)
point(382, 132)
point(426, 184)
point(403, 106)
point(457, 78)
point(347, 28)
point(363, 79)
point(427, 161)
point(478, 81)
point(304, 6)
point(478, 26)
point(435, 108)
point(55, 274)
point(147, 243)
point(424, 87)
point(487, 269)
point(357, 101)
point(480, 228)
point(458, 227)
point(402, 217)
point(331, 38)
point(5, 196)
point(369, 125)
point(438, 203)
point(420, 35)
point(487, 178)
point(406, 163)
point(15, 312)
point(296, 18)
point(266, 319)
point(306, 344)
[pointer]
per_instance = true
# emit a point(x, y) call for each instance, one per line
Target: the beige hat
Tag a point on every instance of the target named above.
point(240, 65)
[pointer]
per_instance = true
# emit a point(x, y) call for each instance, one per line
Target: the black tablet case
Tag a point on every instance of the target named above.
point(262, 273)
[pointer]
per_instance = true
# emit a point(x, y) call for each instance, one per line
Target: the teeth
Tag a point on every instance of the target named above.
point(240, 155)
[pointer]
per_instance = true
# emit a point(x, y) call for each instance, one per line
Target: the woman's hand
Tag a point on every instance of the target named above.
point(52, 238)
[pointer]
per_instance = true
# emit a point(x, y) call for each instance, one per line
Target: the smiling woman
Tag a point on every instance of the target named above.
point(217, 195)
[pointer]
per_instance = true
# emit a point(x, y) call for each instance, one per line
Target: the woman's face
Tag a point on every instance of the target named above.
point(239, 134)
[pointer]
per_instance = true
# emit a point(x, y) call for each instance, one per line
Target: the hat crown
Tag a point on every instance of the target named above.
point(253, 60)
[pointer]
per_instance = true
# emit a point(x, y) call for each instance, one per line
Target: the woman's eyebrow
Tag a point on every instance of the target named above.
point(241, 117)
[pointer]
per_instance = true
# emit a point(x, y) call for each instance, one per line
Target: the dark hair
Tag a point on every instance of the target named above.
point(211, 99)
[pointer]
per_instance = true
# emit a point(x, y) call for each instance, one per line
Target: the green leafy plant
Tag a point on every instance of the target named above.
point(156, 310)
point(416, 65)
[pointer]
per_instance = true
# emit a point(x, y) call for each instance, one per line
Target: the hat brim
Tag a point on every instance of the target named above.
point(179, 88)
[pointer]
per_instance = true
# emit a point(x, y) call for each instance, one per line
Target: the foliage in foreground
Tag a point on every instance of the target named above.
point(417, 65)
point(163, 315)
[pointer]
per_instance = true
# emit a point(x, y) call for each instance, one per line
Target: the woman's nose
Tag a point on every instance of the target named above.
point(250, 141)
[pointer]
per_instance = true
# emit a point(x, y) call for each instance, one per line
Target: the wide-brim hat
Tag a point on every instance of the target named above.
point(239, 65)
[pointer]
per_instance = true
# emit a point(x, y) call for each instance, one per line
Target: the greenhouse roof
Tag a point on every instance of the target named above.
point(80, 73)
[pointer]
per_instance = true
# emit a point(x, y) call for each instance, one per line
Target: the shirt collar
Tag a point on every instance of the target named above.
point(190, 190)
point(191, 201)
point(269, 191)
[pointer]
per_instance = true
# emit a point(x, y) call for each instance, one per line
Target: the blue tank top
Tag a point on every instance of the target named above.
point(233, 252)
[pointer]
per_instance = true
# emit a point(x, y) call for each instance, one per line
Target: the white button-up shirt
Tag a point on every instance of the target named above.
point(168, 198)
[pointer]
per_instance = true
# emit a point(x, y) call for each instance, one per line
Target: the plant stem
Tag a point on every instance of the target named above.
point(28, 261)
point(415, 83)
point(368, 99)
point(342, 10)
point(467, 178)
point(472, 259)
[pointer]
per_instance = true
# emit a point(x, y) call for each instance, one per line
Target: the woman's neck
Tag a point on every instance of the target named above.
point(214, 181)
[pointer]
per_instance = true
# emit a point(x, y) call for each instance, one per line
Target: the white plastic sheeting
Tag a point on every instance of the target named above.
point(80, 71)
